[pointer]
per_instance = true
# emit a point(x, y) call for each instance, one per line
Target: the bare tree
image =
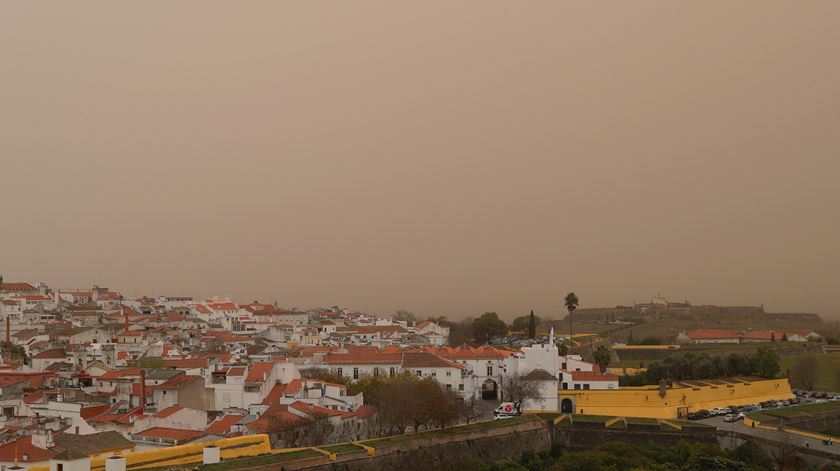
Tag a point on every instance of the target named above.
point(805, 374)
point(302, 431)
point(785, 450)
point(403, 315)
point(517, 389)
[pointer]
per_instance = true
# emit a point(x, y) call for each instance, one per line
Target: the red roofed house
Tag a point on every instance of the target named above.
point(158, 437)
point(174, 417)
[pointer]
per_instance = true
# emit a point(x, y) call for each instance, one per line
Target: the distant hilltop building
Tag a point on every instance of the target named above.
point(659, 302)
point(746, 336)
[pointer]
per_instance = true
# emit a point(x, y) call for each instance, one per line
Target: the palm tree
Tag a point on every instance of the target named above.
point(602, 357)
point(572, 302)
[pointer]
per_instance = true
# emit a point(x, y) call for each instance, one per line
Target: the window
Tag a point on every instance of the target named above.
point(577, 386)
point(59, 467)
point(339, 372)
point(577, 369)
point(392, 372)
point(434, 374)
point(419, 373)
point(448, 373)
point(585, 386)
point(565, 385)
point(355, 373)
point(448, 386)
point(460, 387)
point(489, 370)
point(563, 366)
point(376, 371)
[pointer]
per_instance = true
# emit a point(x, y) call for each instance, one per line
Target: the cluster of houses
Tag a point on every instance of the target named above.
point(746, 336)
point(134, 374)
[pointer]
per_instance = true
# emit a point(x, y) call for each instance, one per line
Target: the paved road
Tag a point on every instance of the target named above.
point(771, 435)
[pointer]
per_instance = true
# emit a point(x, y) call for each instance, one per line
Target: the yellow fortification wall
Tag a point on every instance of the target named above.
point(237, 447)
point(678, 401)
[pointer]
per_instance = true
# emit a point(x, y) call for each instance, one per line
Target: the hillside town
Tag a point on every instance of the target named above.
point(138, 374)
point(93, 374)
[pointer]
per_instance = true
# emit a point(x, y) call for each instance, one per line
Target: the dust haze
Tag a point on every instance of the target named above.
point(449, 158)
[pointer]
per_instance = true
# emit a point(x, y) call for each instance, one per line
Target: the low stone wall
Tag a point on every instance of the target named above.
point(434, 452)
point(581, 438)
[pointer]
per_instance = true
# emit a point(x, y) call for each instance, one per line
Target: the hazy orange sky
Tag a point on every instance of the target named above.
point(448, 158)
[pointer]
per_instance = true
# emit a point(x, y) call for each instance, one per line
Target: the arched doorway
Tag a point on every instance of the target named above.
point(489, 390)
point(567, 407)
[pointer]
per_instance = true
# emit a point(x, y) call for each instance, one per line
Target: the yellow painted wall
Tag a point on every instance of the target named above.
point(237, 447)
point(678, 402)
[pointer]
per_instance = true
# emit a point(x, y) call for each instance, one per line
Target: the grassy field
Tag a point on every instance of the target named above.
point(397, 439)
point(590, 418)
point(260, 460)
point(828, 370)
point(342, 448)
point(633, 358)
point(795, 411)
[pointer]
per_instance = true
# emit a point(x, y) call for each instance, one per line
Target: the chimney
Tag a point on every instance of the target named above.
point(143, 389)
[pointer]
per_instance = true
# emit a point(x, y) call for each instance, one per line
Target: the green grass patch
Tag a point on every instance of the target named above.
point(834, 432)
point(260, 460)
point(590, 418)
point(341, 448)
point(642, 421)
point(451, 431)
point(759, 416)
point(804, 409)
point(826, 374)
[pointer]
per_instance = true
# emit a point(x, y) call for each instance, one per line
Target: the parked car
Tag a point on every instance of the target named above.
point(733, 417)
point(507, 410)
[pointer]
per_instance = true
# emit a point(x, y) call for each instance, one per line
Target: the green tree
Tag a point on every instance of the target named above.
point(488, 326)
point(520, 324)
point(571, 303)
point(767, 363)
point(562, 349)
point(403, 315)
point(602, 356)
point(532, 325)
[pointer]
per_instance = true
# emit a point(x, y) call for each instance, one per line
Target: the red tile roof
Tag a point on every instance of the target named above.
point(591, 376)
point(53, 353)
point(273, 396)
point(16, 286)
point(117, 374)
point(14, 451)
point(236, 371)
point(277, 417)
point(93, 411)
point(223, 424)
point(365, 412)
point(168, 411)
point(177, 434)
point(258, 372)
point(176, 382)
point(712, 334)
point(362, 358)
point(427, 360)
